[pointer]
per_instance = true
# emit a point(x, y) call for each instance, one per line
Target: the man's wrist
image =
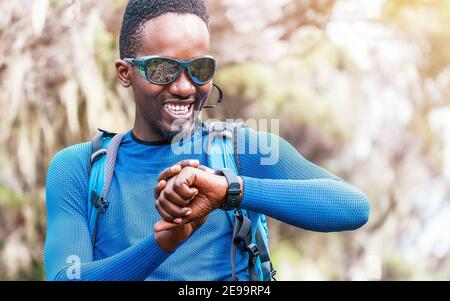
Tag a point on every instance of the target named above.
point(232, 188)
point(223, 190)
point(241, 181)
point(166, 243)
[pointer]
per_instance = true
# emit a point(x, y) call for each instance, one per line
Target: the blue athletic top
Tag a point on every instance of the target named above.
point(289, 189)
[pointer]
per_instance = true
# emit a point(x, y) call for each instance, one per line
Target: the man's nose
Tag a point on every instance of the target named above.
point(183, 86)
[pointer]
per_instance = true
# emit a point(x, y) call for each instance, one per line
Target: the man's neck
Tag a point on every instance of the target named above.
point(150, 135)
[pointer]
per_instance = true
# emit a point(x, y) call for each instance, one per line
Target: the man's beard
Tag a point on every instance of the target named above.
point(179, 129)
point(169, 135)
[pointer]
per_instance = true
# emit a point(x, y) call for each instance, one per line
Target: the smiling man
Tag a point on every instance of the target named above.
point(165, 219)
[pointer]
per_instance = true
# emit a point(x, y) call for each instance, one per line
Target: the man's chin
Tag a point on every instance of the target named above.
point(179, 128)
point(169, 135)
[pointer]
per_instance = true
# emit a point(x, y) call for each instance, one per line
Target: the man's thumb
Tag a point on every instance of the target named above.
point(164, 225)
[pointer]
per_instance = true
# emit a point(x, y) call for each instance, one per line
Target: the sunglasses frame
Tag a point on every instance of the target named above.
point(142, 64)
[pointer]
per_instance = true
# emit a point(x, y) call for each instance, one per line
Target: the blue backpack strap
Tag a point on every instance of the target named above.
point(248, 227)
point(100, 170)
point(262, 241)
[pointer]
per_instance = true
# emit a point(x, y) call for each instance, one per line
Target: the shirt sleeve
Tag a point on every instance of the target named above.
point(68, 252)
point(282, 184)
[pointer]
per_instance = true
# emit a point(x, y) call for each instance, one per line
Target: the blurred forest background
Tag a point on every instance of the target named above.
point(361, 87)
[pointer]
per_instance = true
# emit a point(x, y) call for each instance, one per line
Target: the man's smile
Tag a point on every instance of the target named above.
point(176, 109)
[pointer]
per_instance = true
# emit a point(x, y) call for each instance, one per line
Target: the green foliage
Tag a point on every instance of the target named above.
point(10, 198)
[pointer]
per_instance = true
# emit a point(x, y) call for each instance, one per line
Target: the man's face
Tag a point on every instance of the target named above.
point(181, 37)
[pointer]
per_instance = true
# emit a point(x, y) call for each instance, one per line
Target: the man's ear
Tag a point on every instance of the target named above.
point(124, 73)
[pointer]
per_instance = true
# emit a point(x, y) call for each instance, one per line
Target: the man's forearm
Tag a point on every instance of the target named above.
point(134, 263)
point(323, 205)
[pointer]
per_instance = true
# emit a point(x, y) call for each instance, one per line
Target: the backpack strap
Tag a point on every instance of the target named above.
point(97, 149)
point(222, 154)
point(101, 164)
point(267, 268)
point(242, 233)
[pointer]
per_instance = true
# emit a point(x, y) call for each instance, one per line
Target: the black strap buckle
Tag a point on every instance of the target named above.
point(273, 273)
point(253, 251)
point(99, 201)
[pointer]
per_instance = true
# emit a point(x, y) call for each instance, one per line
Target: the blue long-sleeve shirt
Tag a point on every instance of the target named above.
point(291, 189)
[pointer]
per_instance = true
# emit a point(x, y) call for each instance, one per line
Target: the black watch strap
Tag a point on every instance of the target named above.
point(233, 199)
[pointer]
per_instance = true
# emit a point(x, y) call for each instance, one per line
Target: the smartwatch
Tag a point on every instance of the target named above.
point(234, 190)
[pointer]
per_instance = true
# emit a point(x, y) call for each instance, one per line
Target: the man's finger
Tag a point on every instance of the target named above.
point(175, 169)
point(183, 190)
point(165, 215)
point(159, 187)
point(174, 210)
point(180, 221)
point(164, 225)
point(172, 196)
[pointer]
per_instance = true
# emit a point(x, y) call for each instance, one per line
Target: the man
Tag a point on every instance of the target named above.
point(164, 221)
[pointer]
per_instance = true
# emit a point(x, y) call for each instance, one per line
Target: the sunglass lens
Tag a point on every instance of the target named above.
point(161, 70)
point(202, 70)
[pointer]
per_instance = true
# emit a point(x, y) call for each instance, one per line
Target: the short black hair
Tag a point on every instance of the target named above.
point(140, 11)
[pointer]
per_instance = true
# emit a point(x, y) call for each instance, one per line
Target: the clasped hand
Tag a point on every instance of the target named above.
point(186, 193)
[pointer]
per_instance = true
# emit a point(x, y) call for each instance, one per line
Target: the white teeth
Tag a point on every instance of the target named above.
point(178, 109)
